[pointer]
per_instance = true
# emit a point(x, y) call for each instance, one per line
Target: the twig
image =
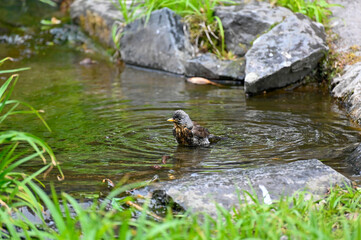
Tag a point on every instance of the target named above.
point(139, 208)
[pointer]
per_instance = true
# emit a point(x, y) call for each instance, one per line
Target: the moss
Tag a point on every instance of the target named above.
point(335, 61)
point(96, 26)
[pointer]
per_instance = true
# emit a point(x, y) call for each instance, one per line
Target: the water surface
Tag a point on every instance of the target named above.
point(109, 122)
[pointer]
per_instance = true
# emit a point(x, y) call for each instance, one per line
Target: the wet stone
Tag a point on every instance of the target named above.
point(158, 44)
point(285, 54)
point(209, 66)
point(200, 191)
point(245, 22)
point(348, 90)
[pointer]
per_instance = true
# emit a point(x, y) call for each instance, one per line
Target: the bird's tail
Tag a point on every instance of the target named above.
point(214, 139)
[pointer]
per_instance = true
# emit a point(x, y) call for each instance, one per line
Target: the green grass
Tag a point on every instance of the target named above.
point(318, 10)
point(335, 217)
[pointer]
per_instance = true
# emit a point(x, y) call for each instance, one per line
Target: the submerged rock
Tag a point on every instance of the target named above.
point(209, 66)
point(348, 90)
point(285, 54)
point(200, 192)
point(159, 44)
point(245, 22)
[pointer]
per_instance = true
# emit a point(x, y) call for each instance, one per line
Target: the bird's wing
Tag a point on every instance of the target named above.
point(199, 131)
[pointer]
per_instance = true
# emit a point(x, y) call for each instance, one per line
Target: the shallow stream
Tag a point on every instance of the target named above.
point(110, 121)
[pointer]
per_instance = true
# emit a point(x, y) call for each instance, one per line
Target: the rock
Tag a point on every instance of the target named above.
point(348, 90)
point(209, 66)
point(200, 191)
point(285, 54)
point(346, 22)
point(354, 160)
point(245, 22)
point(96, 17)
point(159, 44)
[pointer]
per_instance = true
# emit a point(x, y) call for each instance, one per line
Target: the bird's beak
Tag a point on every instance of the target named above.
point(171, 120)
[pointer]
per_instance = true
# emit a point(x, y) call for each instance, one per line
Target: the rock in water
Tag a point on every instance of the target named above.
point(209, 66)
point(243, 23)
point(159, 43)
point(348, 89)
point(285, 54)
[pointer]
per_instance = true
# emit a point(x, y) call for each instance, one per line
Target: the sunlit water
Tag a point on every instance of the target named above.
point(110, 122)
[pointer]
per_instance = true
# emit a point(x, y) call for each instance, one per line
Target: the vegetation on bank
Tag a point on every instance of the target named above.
point(206, 29)
point(317, 10)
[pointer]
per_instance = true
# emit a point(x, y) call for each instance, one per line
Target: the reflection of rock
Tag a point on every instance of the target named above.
point(189, 157)
point(159, 44)
point(199, 191)
point(245, 22)
point(209, 66)
point(285, 54)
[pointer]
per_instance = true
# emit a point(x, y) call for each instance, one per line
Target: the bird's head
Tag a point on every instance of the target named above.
point(181, 119)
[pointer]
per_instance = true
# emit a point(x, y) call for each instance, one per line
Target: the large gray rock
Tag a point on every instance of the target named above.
point(209, 66)
point(243, 23)
point(159, 44)
point(200, 191)
point(285, 54)
point(96, 17)
point(348, 90)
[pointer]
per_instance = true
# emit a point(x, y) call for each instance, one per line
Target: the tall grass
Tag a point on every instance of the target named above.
point(297, 217)
point(14, 185)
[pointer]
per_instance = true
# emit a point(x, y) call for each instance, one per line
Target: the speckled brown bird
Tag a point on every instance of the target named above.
point(189, 133)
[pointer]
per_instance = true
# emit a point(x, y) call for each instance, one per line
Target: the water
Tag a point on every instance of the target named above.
point(109, 122)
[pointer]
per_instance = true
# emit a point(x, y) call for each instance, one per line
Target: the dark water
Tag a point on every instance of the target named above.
point(108, 122)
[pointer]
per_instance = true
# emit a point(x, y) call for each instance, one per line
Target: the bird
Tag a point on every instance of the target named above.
point(189, 133)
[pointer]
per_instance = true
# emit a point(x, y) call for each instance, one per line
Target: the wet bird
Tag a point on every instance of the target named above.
point(189, 133)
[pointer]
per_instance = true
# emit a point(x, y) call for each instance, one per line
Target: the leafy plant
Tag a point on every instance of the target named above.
point(318, 10)
point(13, 184)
